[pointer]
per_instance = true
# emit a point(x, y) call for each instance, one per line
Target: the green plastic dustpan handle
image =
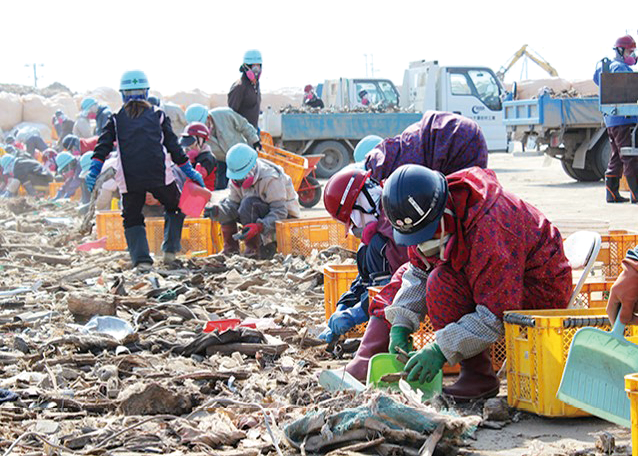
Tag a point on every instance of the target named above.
point(619, 330)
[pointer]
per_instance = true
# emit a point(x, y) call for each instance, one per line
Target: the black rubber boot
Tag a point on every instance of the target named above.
point(632, 181)
point(612, 184)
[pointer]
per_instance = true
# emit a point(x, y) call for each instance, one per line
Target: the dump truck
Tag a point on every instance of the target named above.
point(334, 132)
point(572, 129)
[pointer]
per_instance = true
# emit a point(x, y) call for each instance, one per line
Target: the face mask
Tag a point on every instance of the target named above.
point(246, 182)
point(366, 206)
point(630, 60)
point(92, 115)
point(192, 154)
point(253, 73)
point(433, 246)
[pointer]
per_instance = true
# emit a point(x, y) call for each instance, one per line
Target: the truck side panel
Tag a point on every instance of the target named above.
point(549, 112)
point(305, 127)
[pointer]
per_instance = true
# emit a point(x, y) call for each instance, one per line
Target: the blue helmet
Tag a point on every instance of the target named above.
point(366, 145)
point(196, 113)
point(134, 86)
point(87, 103)
point(63, 160)
point(241, 158)
point(252, 57)
point(85, 163)
point(414, 199)
point(5, 162)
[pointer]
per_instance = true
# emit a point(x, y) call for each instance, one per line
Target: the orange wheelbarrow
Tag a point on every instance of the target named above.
point(309, 190)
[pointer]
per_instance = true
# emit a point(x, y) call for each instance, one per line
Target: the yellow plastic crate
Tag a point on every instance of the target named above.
point(537, 343)
point(198, 235)
point(613, 250)
point(301, 236)
point(631, 386)
point(294, 165)
point(54, 187)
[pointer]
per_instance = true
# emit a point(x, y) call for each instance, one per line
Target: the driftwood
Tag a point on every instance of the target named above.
point(247, 349)
point(357, 447)
point(84, 306)
point(41, 258)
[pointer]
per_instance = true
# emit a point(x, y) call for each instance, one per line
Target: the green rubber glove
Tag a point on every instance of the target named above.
point(400, 337)
point(425, 363)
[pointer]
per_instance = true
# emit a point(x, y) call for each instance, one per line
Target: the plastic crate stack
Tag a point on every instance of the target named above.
point(302, 236)
point(199, 236)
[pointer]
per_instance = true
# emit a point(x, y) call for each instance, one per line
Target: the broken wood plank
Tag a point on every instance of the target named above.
point(42, 258)
point(83, 306)
point(430, 444)
point(246, 349)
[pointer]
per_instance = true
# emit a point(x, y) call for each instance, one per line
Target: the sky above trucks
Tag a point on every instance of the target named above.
point(200, 44)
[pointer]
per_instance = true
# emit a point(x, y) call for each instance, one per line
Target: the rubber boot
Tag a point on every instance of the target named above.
point(612, 184)
point(632, 181)
point(28, 187)
point(476, 381)
point(375, 340)
point(231, 246)
point(138, 245)
point(253, 247)
point(173, 224)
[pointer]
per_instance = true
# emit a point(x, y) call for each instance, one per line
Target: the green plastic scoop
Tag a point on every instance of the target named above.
point(593, 379)
point(383, 364)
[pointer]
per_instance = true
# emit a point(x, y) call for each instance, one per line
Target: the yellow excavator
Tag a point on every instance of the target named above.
point(524, 52)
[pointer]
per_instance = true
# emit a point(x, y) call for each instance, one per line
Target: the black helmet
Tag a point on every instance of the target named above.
point(9, 140)
point(153, 100)
point(71, 142)
point(414, 199)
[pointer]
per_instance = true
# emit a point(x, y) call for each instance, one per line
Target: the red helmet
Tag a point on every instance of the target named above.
point(308, 88)
point(625, 42)
point(198, 130)
point(49, 154)
point(342, 190)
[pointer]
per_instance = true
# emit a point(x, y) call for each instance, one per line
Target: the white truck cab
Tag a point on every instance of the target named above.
point(473, 92)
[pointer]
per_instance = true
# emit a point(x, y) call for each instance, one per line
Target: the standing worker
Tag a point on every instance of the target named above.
point(144, 140)
point(227, 128)
point(619, 129)
point(476, 251)
point(94, 110)
point(260, 194)
point(245, 95)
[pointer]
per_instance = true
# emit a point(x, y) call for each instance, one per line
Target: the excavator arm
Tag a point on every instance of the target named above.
point(523, 52)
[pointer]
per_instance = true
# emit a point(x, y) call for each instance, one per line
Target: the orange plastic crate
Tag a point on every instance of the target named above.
point(337, 279)
point(301, 236)
point(294, 165)
point(613, 250)
point(54, 187)
point(198, 235)
point(593, 294)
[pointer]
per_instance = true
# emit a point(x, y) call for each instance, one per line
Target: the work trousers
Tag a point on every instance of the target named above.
point(620, 136)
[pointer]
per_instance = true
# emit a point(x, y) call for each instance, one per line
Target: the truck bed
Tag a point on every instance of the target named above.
point(547, 112)
point(345, 125)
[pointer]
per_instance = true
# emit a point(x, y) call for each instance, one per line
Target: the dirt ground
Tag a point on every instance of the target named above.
point(569, 204)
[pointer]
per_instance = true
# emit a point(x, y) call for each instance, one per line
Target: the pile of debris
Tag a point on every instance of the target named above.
point(355, 109)
point(98, 358)
point(49, 91)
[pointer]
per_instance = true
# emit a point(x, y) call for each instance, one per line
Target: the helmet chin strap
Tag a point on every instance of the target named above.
point(435, 246)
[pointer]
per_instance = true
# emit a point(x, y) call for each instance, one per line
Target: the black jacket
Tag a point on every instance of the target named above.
point(144, 144)
point(101, 118)
point(245, 99)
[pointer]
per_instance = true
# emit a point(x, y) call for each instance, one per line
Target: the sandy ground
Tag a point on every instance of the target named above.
point(568, 203)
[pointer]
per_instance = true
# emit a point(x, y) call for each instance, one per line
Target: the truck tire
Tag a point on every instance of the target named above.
point(581, 175)
point(598, 157)
point(336, 157)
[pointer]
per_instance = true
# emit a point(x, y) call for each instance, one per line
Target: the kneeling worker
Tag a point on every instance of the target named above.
point(260, 194)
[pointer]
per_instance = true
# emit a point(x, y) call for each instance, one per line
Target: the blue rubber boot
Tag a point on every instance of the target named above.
point(173, 224)
point(138, 246)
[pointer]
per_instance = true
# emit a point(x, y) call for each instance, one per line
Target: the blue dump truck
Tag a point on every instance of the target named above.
point(572, 129)
point(473, 92)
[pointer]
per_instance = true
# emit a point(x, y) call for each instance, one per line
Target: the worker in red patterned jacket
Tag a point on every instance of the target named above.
point(193, 141)
point(354, 199)
point(476, 251)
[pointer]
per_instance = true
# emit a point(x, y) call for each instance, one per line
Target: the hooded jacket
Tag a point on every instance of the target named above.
point(441, 141)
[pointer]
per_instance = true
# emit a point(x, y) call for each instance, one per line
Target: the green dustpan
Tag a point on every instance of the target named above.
point(593, 379)
point(385, 363)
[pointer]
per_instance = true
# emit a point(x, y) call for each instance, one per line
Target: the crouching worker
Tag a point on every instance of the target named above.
point(260, 194)
point(70, 169)
point(193, 140)
point(354, 199)
point(144, 140)
point(476, 251)
point(26, 172)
